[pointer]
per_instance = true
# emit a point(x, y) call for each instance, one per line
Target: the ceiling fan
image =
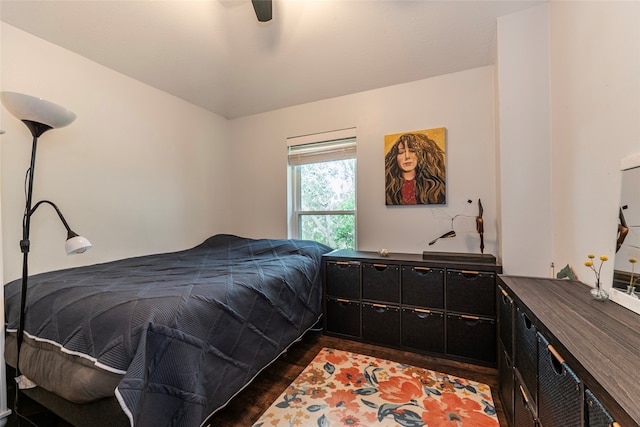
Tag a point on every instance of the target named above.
point(264, 9)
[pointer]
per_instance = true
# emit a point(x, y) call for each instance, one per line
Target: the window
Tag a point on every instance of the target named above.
point(322, 169)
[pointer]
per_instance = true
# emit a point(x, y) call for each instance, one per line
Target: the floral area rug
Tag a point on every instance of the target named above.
point(340, 388)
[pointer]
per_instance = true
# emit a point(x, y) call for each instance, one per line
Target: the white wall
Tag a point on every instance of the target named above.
point(461, 102)
point(596, 122)
point(4, 411)
point(138, 172)
point(525, 142)
point(594, 117)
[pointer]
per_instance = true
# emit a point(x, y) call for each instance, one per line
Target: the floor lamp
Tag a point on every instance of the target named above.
point(39, 116)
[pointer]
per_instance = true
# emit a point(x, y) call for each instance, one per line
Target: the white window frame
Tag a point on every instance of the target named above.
point(340, 144)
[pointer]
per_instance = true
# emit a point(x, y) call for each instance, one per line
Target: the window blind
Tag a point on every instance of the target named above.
point(322, 152)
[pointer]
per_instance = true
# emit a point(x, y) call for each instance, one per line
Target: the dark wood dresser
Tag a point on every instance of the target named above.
point(436, 303)
point(565, 359)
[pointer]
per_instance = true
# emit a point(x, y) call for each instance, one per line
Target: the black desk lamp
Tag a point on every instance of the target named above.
point(39, 116)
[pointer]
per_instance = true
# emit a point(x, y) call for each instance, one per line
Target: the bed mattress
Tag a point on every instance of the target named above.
point(174, 336)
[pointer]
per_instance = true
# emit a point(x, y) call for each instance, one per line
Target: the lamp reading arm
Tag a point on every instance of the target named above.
point(75, 244)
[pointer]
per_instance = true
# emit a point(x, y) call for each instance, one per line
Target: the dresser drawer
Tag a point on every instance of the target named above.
point(342, 317)
point(560, 395)
point(595, 414)
point(471, 292)
point(471, 337)
point(381, 324)
point(423, 287)
point(506, 381)
point(423, 329)
point(523, 413)
point(343, 279)
point(381, 282)
point(526, 353)
point(505, 323)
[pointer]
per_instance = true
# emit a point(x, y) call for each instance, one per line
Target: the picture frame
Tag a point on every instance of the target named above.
point(415, 167)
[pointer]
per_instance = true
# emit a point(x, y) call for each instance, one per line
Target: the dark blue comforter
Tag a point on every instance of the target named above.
point(187, 329)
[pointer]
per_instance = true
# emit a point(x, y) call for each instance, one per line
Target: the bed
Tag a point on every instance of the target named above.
point(172, 336)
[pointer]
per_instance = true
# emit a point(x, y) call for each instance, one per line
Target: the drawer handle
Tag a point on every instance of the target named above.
point(470, 272)
point(421, 310)
point(504, 292)
point(524, 395)
point(342, 300)
point(527, 322)
point(421, 268)
point(379, 305)
point(342, 263)
point(555, 354)
point(380, 265)
point(506, 299)
point(464, 316)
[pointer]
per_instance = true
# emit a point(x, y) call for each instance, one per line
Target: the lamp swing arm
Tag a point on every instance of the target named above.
point(29, 210)
point(64, 221)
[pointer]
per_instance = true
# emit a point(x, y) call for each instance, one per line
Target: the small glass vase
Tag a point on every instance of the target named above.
point(598, 293)
point(631, 291)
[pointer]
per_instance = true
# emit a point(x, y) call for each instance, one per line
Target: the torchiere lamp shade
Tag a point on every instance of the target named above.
point(38, 110)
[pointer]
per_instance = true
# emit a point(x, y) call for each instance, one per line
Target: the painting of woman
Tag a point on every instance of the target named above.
point(415, 169)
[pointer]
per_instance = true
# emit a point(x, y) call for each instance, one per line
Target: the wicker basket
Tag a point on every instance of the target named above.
point(560, 395)
point(595, 414)
point(526, 354)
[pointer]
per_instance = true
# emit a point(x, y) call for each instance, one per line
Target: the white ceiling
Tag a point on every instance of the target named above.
point(215, 54)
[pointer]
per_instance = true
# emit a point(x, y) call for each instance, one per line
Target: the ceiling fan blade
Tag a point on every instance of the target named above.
point(264, 9)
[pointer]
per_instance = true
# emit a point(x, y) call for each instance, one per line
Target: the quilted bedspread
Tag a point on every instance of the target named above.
point(185, 330)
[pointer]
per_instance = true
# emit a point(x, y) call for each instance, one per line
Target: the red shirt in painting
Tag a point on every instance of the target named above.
point(409, 192)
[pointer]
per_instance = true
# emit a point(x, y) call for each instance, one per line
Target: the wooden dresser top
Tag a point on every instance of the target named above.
point(599, 340)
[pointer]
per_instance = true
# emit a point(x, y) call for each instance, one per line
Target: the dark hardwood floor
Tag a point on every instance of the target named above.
point(248, 405)
point(32, 413)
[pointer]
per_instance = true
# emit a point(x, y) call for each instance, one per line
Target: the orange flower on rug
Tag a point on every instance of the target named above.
point(339, 388)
